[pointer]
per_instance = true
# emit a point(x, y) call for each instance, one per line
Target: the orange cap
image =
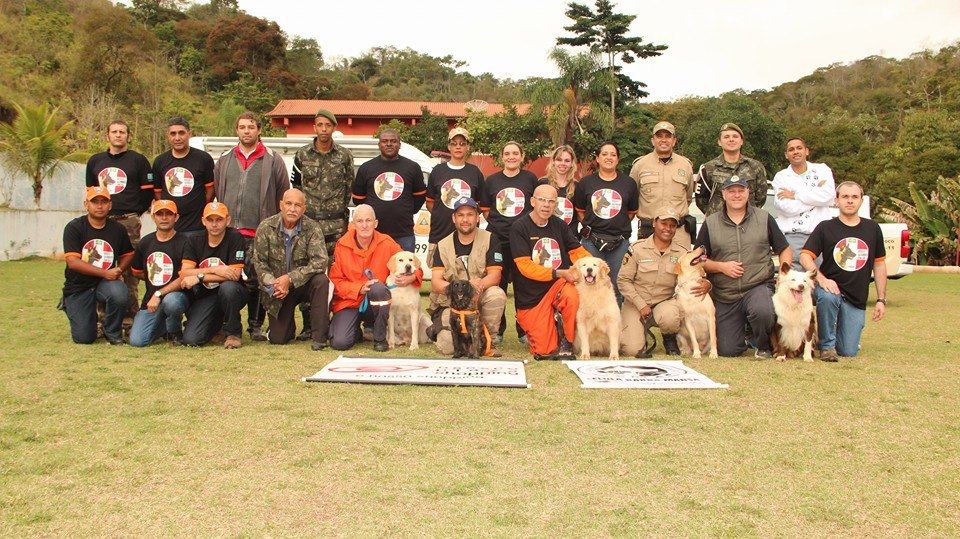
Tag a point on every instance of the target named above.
point(94, 192)
point(216, 208)
point(163, 204)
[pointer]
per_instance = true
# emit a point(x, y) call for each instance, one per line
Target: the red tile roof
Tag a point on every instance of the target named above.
point(385, 109)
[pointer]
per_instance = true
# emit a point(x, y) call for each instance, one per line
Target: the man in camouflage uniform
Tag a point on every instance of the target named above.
point(730, 164)
point(664, 178)
point(291, 260)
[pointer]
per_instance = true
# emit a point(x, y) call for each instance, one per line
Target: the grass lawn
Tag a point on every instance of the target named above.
point(101, 440)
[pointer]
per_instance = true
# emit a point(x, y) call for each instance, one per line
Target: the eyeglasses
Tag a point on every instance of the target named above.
point(548, 201)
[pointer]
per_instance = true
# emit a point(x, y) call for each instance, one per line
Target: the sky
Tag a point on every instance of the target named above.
point(714, 45)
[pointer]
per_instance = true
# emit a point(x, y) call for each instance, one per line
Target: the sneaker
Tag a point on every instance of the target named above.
point(220, 338)
point(565, 351)
point(232, 342)
point(115, 342)
point(762, 354)
point(829, 355)
point(257, 334)
point(305, 335)
point(380, 346)
point(318, 345)
point(176, 339)
point(522, 339)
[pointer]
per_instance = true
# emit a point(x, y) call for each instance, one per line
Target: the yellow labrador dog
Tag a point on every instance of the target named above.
point(402, 325)
point(699, 312)
point(598, 318)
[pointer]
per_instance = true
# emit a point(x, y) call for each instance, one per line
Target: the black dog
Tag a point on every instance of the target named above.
point(470, 337)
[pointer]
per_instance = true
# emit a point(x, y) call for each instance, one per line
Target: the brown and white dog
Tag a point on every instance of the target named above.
point(403, 323)
point(795, 332)
point(598, 318)
point(699, 312)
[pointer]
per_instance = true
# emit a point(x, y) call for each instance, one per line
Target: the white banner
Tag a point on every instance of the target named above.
point(443, 372)
point(639, 374)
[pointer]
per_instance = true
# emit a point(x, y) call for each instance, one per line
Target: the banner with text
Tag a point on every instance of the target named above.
point(639, 374)
point(442, 372)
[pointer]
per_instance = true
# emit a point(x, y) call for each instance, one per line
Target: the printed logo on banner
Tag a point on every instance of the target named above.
point(210, 262)
point(606, 203)
point(113, 179)
point(449, 372)
point(97, 253)
point(159, 268)
point(379, 368)
point(510, 202)
point(546, 252)
point(851, 254)
point(388, 186)
point(639, 375)
point(564, 209)
point(179, 181)
point(453, 190)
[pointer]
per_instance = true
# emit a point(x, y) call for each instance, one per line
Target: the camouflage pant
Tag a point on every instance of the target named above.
point(131, 222)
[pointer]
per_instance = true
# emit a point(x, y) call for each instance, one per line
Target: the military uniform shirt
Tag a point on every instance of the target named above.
point(325, 180)
point(669, 184)
point(716, 171)
point(652, 275)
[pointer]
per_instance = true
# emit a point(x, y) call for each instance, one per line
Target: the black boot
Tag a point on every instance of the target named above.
point(306, 334)
point(670, 344)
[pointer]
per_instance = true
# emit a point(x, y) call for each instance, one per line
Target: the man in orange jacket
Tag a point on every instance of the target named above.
point(358, 275)
point(544, 249)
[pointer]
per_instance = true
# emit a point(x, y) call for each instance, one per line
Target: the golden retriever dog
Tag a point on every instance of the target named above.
point(699, 312)
point(795, 332)
point(403, 323)
point(598, 318)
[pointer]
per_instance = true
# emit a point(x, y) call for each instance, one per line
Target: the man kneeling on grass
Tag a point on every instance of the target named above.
point(214, 283)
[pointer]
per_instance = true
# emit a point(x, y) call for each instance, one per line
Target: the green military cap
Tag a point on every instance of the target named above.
point(326, 114)
point(730, 126)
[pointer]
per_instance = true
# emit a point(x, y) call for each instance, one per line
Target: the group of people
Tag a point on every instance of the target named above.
point(241, 232)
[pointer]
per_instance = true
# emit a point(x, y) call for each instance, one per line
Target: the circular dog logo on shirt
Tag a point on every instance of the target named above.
point(453, 190)
point(510, 202)
point(606, 203)
point(851, 254)
point(112, 179)
point(159, 268)
point(179, 181)
point(388, 186)
point(564, 210)
point(211, 262)
point(97, 253)
point(546, 253)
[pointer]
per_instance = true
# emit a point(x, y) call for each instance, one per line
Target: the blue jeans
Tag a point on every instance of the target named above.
point(81, 309)
point(839, 322)
point(797, 241)
point(613, 258)
point(149, 326)
point(407, 243)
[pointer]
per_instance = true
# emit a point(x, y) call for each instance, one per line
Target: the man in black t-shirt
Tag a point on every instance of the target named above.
point(126, 174)
point(393, 186)
point(544, 248)
point(98, 252)
point(184, 175)
point(467, 254)
point(158, 261)
point(852, 248)
point(215, 282)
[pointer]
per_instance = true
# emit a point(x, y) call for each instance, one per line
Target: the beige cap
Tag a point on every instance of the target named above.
point(458, 131)
point(665, 126)
point(666, 212)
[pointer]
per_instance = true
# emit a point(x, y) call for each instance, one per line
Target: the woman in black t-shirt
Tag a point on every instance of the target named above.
point(607, 202)
point(561, 174)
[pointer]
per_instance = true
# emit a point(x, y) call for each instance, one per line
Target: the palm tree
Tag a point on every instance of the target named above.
point(578, 91)
point(33, 143)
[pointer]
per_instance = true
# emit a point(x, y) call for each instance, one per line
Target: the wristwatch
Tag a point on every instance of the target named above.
point(158, 294)
point(200, 277)
point(882, 300)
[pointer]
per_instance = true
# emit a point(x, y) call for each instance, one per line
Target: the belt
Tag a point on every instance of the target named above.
point(121, 216)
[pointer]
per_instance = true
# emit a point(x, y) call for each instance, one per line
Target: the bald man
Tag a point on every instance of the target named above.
point(290, 257)
point(544, 248)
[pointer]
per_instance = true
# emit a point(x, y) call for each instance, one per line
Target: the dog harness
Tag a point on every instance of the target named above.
point(463, 327)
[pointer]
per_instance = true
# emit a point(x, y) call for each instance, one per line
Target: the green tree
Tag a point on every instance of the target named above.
point(927, 147)
point(606, 32)
point(572, 101)
point(490, 133)
point(33, 143)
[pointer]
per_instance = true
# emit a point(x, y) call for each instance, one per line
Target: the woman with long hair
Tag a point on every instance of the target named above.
point(562, 175)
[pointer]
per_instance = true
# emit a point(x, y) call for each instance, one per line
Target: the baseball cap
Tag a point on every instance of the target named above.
point(734, 180)
point(465, 201)
point(458, 131)
point(216, 208)
point(665, 126)
point(730, 126)
point(326, 114)
point(94, 192)
point(667, 213)
point(163, 204)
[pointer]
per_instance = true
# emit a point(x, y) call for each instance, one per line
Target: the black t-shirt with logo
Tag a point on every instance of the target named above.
point(395, 190)
point(494, 256)
point(565, 210)
point(849, 254)
point(184, 180)
point(159, 261)
point(100, 247)
point(445, 186)
point(128, 178)
point(230, 252)
point(548, 246)
point(608, 204)
point(508, 199)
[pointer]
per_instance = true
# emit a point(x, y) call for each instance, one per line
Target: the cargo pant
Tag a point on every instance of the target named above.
point(666, 315)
